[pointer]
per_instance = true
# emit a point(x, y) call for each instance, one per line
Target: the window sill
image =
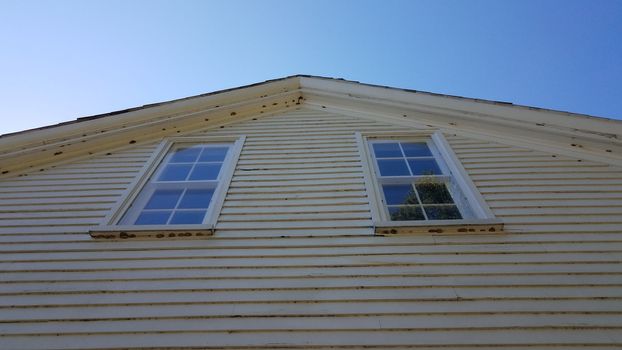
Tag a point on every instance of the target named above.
point(152, 232)
point(477, 226)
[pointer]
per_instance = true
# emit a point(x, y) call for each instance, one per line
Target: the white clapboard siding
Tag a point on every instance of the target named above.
point(294, 262)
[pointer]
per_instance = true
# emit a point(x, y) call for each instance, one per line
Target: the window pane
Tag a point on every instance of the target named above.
point(419, 149)
point(433, 193)
point(205, 172)
point(175, 172)
point(188, 217)
point(163, 199)
point(424, 167)
point(399, 194)
point(443, 212)
point(153, 217)
point(213, 154)
point(196, 199)
point(185, 155)
point(393, 167)
point(406, 213)
point(387, 150)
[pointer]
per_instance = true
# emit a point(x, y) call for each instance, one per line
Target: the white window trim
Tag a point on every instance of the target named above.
point(482, 220)
point(109, 227)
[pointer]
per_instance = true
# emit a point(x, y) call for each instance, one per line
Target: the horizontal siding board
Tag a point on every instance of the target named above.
point(295, 189)
point(356, 294)
point(244, 171)
point(466, 308)
point(328, 195)
point(57, 207)
point(302, 251)
point(414, 270)
point(272, 208)
point(147, 286)
point(303, 165)
point(301, 224)
point(536, 197)
point(587, 205)
point(247, 217)
point(562, 210)
point(294, 177)
point(376, 339)
point(307, 203)
point(299, 160)
point(428, 322)
point(295, 183)
point(318, 261)
point(81, 212)
point(361, 240)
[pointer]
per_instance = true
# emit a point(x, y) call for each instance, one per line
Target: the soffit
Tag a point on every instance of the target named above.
point(570, 134)
point(32, 149)
point(560, 132)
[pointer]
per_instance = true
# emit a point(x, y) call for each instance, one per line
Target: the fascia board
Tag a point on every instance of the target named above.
point(578, 125)
point(605, 151)
point(83, 128)
point(18, 160)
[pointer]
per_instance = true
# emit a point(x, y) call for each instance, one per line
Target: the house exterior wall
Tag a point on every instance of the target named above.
point(294, 262)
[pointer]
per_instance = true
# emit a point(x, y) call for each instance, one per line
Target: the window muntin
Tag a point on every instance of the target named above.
point(414, 182)
point(181, 189)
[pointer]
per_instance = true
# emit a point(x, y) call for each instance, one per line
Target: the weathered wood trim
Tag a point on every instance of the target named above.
point(152, 232)
point(373, 196)
point(128, 196)
point(485, 226)
point(515, 132)
point(218, 199)
point(17, 159)
point(469, 189)
point(554, 121)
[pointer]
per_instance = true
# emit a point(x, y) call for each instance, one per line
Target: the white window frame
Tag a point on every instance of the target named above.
point(111, 227)
point(477, 216)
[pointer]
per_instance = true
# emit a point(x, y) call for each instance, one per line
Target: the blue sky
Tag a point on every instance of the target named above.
point(60, 60)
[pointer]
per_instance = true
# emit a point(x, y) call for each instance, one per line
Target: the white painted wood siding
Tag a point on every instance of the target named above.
point(294, 263)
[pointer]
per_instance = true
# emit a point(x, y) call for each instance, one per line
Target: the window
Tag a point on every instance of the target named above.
point(415, 180)
point(412, 182)
point(181, 189)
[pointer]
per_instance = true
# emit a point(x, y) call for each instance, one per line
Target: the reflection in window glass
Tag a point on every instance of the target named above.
point(205, 172)
point(442, 212)
point(433, 193)
point(153, 217)
point(196, 199)
point(387, 150)
point(393, 167)
point(214, 154)
point(187, 217)
point(399, 194)
point(403, 213)
point(424, 166)
point(416, 149)
point(164, 199)
point(185, 155)
point(175, 172)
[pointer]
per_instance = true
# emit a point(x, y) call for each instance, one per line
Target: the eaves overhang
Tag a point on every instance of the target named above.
point(575, 135)
point(561, 132)
point(29, 150)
